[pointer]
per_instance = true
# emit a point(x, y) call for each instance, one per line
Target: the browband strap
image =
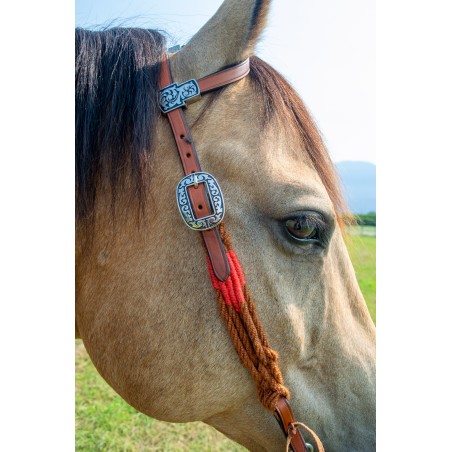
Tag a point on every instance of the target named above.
point(175, 95)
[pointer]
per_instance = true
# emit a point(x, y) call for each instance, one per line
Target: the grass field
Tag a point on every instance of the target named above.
point(362, 249)
point(104, 422)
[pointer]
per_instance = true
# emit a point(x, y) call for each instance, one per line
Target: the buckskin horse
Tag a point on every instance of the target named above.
point(259, 304)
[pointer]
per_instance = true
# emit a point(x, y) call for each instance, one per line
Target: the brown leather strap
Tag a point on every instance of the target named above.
point(224, 77)
point(285, 417)
point(189, 159)
point(286, 420)
point(201, 206)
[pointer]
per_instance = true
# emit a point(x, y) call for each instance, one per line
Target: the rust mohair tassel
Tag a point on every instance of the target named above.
point(238, 312)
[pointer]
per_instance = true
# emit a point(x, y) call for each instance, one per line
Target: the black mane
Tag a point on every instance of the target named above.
point(116, 108)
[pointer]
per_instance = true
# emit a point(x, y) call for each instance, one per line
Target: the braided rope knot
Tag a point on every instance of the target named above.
point(238, 311)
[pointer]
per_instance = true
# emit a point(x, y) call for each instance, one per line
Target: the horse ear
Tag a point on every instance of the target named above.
point(227, 38)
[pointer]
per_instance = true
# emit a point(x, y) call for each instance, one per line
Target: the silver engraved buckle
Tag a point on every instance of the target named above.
point(215, 197)
point(177, 95)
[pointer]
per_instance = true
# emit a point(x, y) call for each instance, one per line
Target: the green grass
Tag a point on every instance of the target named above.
point(362, 249)
point(104, 422)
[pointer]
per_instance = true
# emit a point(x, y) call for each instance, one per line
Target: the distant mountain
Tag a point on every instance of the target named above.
point(359, 181)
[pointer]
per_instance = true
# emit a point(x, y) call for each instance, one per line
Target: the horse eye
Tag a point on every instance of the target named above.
point(308, 227)
point(301, 228)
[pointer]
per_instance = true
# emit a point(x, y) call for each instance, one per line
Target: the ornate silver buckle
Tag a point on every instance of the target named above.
point(176, 95)
point(215, 197)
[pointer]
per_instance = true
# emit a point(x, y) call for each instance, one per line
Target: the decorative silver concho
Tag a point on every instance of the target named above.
point(215, 196)
point(175, 95)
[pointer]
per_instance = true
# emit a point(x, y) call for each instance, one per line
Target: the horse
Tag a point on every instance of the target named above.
point(145, 305)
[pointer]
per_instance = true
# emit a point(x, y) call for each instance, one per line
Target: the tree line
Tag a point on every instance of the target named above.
point(368, 219)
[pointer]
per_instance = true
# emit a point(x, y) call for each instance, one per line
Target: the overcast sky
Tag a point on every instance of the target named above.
point(325, 48)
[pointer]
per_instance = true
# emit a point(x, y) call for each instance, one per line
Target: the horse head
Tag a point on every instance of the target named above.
point(145, 306)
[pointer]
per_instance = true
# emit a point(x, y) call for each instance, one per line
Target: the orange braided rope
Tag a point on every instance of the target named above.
point(239, 314)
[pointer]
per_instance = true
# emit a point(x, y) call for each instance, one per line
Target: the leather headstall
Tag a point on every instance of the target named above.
point(172, 97)
point(199, 196)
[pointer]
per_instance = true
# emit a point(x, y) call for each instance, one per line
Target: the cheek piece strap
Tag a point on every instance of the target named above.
point(201, 205)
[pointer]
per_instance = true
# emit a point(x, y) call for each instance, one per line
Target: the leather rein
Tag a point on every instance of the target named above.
point(201, 205)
